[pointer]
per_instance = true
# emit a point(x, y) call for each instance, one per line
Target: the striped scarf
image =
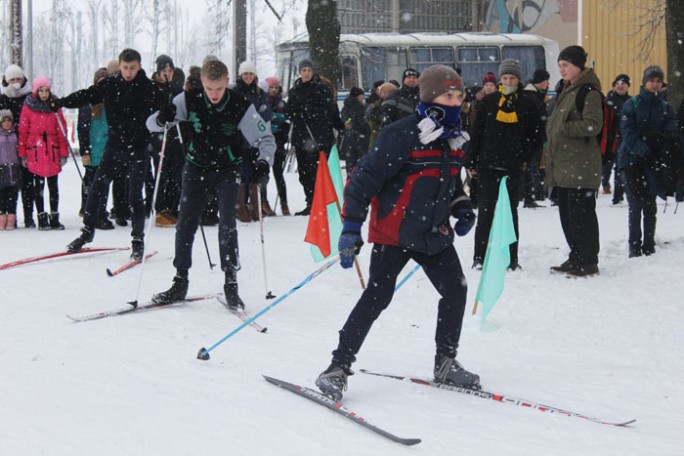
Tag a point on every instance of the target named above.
point(506, 113)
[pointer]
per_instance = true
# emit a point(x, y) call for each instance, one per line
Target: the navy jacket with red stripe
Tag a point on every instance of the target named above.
point(411, 189)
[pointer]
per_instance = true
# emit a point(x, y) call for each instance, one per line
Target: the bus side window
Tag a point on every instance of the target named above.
point(372, 65)
point(348, 72)
point(395, 63)
point(476, 62)
point(531, 58)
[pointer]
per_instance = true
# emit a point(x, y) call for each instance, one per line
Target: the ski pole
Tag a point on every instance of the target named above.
point(149, 223)
point(71, 151)
point(204, 352)
point(206, 247)
point(406, 277)
point(269, 295)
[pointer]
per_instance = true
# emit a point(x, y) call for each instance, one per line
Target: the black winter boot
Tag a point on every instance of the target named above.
point(451, 372)
point(177, 292)
point(333, 381)
point(137, 249)
point(43, 222)
point(86, 236)
point(54, 221)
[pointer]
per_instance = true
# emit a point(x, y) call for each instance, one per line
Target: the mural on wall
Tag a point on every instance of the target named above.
point(555, 19)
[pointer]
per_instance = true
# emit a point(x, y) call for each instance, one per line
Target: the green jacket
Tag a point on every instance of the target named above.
point(573, 158)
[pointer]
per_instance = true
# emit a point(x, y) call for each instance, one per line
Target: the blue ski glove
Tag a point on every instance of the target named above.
point(466, 219)
point(350, 243)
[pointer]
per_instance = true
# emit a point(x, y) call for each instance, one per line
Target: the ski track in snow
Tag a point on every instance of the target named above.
point(608, 347)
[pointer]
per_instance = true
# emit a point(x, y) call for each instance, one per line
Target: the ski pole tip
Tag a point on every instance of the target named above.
point(133, 303)
point(203, 354)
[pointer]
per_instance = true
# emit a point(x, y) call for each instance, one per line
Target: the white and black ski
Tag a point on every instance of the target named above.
point(137, 308)
point(242, 315)
point(498, 398)
point(337, 407)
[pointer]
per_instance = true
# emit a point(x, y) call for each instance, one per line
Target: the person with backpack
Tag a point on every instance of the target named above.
point(616, 99)
point(573, 161)
point(649, 150)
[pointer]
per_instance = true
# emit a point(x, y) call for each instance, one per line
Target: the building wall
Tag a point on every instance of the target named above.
point(608, 30)
point(610, 36)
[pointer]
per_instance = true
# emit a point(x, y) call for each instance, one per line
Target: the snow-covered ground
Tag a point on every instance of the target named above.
point(609, 347)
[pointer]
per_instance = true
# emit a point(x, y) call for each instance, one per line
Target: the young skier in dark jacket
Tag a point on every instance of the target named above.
point(219, 119)
point(129, 98)
point(411, 180)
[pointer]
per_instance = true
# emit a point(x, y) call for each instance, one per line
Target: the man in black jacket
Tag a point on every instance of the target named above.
point(402, 102)
point(129, 98)
point(314, 114)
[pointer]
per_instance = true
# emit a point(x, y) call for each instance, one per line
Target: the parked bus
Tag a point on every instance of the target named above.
point(365, 58)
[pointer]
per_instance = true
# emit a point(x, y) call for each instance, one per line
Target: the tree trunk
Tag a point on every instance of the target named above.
point(324, 37)
point(674, 29)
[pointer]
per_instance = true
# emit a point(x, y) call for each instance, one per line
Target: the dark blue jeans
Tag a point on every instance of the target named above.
point(446, 275)
point(131, 163)
point(197, 184)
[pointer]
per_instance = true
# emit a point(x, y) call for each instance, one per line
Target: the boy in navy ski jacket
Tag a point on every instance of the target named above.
point(411, 180)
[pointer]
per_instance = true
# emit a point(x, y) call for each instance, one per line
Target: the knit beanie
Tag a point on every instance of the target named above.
point(653, 71)
point(510, 66)
point(437, 80)
point(4, 114)
point(39, 82)
point(306, 63)
point(409, 72)
point(540, 75)
point(490, 77)
point(575, 55)
point(355, 92)
point(273, 81)
point(624, 78)
point(14, 72)
point(163, 62)
point(247, 67)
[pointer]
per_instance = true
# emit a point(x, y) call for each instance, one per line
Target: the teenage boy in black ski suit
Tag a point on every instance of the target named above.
point(412, 177)
point(219, 120)
point(129, 98)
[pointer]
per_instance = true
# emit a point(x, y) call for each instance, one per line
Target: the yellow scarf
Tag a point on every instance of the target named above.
point(506, 113)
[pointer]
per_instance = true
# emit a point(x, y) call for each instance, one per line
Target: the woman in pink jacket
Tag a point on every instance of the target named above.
point(43, 149)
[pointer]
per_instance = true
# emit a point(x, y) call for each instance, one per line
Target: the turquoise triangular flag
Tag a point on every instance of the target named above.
point(498, 256)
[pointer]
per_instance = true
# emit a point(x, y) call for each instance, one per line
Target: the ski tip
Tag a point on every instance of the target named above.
point(410, 442)
point(203, 354)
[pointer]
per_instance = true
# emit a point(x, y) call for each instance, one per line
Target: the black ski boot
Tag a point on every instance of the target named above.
point(177, 292)
point(43, 222)
point(232, 298)
point(137, 249)
point(54, 221)
point(451, 372)
point(333, 381)
point(86, 236)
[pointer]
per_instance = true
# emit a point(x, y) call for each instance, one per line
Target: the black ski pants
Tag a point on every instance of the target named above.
point(133, 164)
point(197, 185)
point(444, 272)
point(577, 210)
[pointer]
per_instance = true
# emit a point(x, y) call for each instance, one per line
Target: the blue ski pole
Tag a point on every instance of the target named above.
point(406, 277)
point(204, 352)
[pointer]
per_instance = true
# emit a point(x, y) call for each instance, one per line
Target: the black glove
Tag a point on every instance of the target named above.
point(261, 173)
point(167, 113)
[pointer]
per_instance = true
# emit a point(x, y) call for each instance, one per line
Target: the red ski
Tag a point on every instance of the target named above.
point(59, 255)
point(129, 265)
